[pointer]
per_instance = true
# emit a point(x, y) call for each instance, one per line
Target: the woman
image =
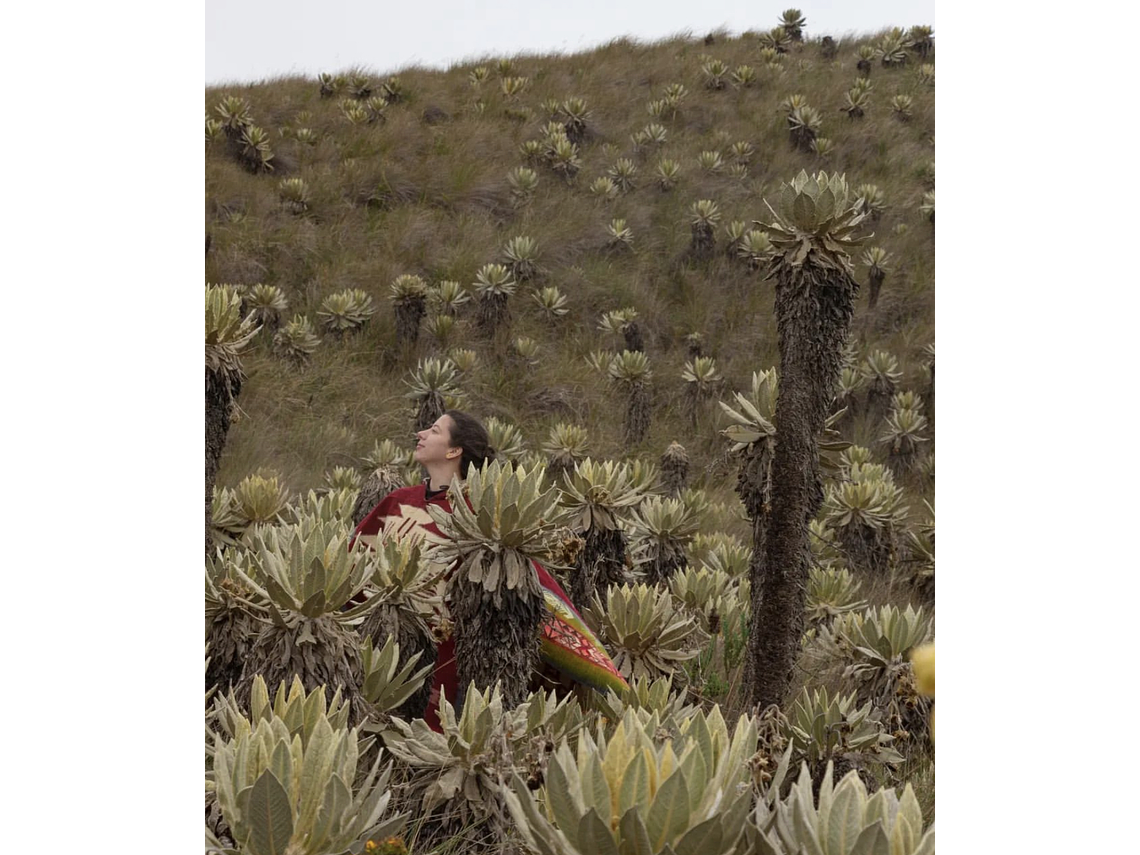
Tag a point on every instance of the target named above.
point(568, 648)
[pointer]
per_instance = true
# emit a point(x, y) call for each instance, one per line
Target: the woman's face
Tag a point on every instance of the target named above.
point(434, 445)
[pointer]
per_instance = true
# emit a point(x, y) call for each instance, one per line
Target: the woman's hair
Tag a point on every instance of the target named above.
point(470, 435)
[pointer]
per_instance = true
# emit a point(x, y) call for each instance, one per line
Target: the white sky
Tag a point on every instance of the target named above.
point(249, 40)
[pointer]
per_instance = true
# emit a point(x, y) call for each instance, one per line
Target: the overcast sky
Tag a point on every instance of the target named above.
point(250, 40)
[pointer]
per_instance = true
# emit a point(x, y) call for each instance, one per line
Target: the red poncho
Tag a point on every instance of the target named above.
point(567, 643)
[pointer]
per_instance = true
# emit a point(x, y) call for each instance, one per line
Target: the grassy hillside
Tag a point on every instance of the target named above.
point(424, 191)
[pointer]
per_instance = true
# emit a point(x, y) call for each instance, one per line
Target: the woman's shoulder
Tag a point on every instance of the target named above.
point(401, 494)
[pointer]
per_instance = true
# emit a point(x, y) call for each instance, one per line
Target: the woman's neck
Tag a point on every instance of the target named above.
point(441, 476)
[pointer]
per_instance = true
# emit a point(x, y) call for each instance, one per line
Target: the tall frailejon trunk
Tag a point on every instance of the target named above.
point(496, 642)
point(674, 469)
point(703, 243)
point(879, 394)
point(220, 395)
point(875, 280)
point(492, 313)
point(637, 414)
point(633, 340)
point(754, 486)
point(409, 312)
point(813, 310)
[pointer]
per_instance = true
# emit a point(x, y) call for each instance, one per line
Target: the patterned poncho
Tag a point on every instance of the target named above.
point(567, 644)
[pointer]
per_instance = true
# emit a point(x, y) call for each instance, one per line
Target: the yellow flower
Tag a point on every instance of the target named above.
point(922, 659)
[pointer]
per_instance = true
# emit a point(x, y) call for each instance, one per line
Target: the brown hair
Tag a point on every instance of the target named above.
point(469, 434)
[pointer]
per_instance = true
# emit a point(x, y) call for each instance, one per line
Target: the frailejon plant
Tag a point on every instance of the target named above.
point(921, 39)
point(622, 173)
point(551, 302)
point(307, 575)
point(346, 311)
point(493, 286)
point(643, 630)
point(279, 793)
point(630, 793)
point(846, 820)
point(260, 498)
point(675, 468)
point(624, 322)
point(881, 373)
point(265, 303)
point(755, 248)
point(831, 591)
point(233, 610)
point(704, 592)
point(433, 383)
point(521, 255)
point(385, 461)
point(866, 513)
point(227, 336)
point(903, 437)
point(506, 439)
point(871, 201)
point(446, 297)
point(565, 447)
point(332, 505)
point(598, 496)
point(408, 294)
point(508, 519)
point(389, 680)
point(868, 651)
point(793, 21)
point(630, 371)
point(704, 215)
point(876, 259)
point(457, 775)
point(660, 529)
point(297, 341)
point(703, 380)
point(227, 527)
point(752, 432)
point(651, 697)
point(408, 591)
point(812, 227)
